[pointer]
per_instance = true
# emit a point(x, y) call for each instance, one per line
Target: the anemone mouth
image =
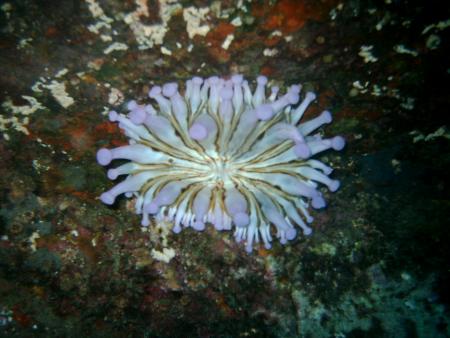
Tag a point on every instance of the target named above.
point(224, 155)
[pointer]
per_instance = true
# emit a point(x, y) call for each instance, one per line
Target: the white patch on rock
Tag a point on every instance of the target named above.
point(237, 21)
point(104, 22)
point(24, 43)
point(194, 18)
point(228, 40)
point(32, 239)
point(275, 33)
point(58, 91)
point(18, 118)
point(433, 41)
point(165, 255)
point(114, 47)
point(149, 35)
point(362, 88)
point(440, 132)
point(401, 49)
point(166, 51)
point(366, 53)
point(441, 25)
point(115, 97)
point(39, 167)
point(105, 38)
point(408, 103)
point(270, 52)
point(61, 73)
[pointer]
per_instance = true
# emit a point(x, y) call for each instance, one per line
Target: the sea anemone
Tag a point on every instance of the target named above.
point(223, 155)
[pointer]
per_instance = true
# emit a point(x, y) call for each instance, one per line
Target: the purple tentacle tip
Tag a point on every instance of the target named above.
point(137, 115)
point(241, 219)
point(302, 150)
point(152, 208)
point(197, 80)
point(198, 132)
point(261, 80)
point(307, 231)
point(237, 79)
point(104, 156)
point(291, 233)
point(293, 97)
point(107, 198)
point(264, 112)
point(213, 80)
point(199, 226)
point(318, 202)
point(338, 143)
point(334, 185)
point(112, 174)
point(326, 116)
point(113, 116)
point(132, 105)
point(155, 91)
point(296, 89)
point(310, 96)
point(169, 89)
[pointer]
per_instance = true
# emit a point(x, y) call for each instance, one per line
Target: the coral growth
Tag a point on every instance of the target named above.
point(224, 155)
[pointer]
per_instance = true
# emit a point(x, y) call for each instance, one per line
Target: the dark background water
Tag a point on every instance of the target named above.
point(377, 264)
